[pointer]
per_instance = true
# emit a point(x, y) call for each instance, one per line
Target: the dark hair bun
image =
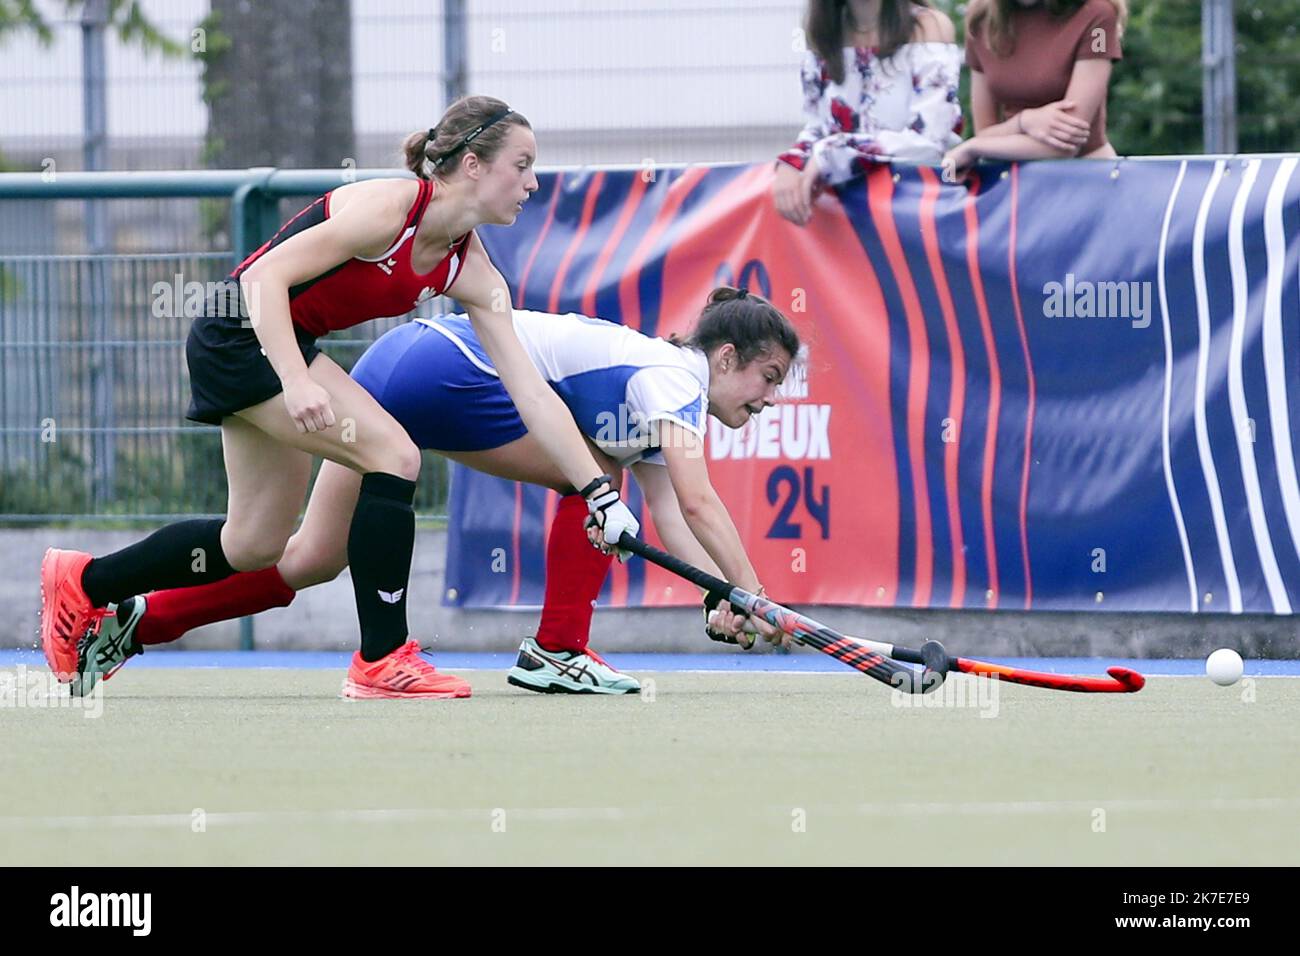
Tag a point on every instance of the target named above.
point(747, 321)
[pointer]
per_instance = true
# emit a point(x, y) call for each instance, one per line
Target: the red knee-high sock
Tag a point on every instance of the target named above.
point(170, 614)
point(574, 573)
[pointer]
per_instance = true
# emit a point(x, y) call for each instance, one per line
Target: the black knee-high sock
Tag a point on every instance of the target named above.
point(177, 556)
point(380, 542)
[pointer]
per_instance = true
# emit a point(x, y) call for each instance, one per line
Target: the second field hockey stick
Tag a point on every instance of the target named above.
point(846, 650)
point(1121, 680)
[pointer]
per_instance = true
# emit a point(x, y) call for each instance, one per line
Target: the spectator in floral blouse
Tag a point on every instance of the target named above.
point(879, 85)
point(1039, 75)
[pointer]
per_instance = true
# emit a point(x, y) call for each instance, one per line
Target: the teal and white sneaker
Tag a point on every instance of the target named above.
point(107, 645)
point(567, 672)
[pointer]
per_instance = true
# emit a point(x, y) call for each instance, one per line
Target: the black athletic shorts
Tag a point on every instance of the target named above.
point(228, 369)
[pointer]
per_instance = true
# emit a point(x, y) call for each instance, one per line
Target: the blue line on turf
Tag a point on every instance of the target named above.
point(801, 662)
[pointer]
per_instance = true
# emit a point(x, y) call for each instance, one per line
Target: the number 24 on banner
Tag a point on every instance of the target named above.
point(819, 509)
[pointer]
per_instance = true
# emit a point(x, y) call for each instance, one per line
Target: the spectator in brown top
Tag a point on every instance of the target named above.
point(1039, 73)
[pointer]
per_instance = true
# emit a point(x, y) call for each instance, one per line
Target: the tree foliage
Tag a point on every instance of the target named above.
point(1156, 90)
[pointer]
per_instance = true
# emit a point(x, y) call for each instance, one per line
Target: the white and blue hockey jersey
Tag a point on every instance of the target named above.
point(617, 382)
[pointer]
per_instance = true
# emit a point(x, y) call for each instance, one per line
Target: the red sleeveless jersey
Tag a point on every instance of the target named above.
point(362, 289)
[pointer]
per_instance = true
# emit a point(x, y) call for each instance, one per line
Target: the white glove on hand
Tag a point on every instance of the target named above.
point(610, 516)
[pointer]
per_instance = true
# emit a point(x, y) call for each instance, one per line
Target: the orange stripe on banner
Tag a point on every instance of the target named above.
point(1029, 373)
point(549, 508)
point(851, 359)
point(957, 396)
point(625, 215)
point(514, 540)
point(995, 390)
point(880, 193)
point(618, 573)
point(541, 240)
point(579, 234)
point(629, 296)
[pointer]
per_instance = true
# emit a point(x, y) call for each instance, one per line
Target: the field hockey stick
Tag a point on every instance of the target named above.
point(1122, 680)
point(805, 630)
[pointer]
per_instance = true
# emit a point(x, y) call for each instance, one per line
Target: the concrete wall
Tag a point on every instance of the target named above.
point(323, 618)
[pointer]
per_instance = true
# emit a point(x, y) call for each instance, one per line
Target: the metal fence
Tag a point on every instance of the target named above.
point(94, 386)
point(603, 80)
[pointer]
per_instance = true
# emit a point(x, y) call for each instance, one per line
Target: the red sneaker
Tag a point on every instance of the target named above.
point(66, 612)
point(403, 674)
